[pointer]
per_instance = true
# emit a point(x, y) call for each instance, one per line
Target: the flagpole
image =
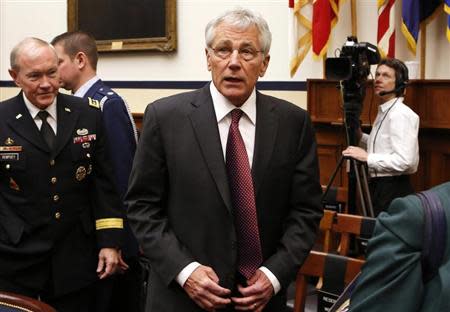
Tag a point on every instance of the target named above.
point(423, 49)
point(354, 25)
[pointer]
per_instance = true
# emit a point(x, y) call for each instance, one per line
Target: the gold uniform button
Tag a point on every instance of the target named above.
point(57, 215)
point(52, 162)
point(54, 180)
point(55, 198)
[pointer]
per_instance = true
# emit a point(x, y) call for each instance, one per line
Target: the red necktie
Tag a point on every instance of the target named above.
point(243, 200)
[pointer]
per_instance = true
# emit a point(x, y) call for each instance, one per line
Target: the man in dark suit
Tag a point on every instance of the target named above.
point(61, 222)
point(78, 57)
point(224, 194)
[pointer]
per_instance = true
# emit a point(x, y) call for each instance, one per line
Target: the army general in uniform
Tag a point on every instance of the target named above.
point(60, 219)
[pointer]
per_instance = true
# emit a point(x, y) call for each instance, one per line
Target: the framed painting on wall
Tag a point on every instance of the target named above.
point(129, 25)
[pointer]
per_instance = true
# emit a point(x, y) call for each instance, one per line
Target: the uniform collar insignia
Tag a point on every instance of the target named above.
point(18, 116)
point(9, 142)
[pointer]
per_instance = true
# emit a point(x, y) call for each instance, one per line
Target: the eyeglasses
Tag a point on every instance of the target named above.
point(224, 53)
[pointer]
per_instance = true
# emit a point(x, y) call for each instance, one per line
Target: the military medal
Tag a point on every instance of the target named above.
point(89, 170)
point(84, 138)
point(83, 131)
point(80, 174)
point(13, 185)
point(16, 148)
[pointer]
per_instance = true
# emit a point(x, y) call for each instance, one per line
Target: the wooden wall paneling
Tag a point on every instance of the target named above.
point(138, 120)
point(324, 101)
point(330, 143)
point(433, 102)
point(435, 156)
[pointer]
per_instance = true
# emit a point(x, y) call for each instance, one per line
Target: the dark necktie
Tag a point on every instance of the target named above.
point(46, 130)
point(243, 200)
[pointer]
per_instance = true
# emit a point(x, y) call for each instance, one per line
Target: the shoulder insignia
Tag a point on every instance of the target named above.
point(94, 103)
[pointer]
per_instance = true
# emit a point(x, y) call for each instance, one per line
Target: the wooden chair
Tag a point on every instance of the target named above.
point(315, 265)
point(326, 225)
point(347, 225)
point(10, 302)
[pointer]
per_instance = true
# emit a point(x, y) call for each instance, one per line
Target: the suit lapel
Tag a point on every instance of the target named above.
point(67, 118)
point(203, 120)
point(265, 136)
point(21, 122)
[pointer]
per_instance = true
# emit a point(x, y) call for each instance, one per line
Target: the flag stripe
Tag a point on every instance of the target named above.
point(325, 15)
point(386, 28)
point(302, 28)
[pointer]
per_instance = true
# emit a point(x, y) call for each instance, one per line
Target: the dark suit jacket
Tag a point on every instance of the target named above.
point(179, 198)
point(391, 279)
point(120, 131)
point(52, 202)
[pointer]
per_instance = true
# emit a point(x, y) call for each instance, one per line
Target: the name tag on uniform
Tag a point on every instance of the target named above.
point(84, 138)
point(9, 156)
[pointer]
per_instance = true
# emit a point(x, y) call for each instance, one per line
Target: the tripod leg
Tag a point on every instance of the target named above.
point(333, 176)
point(358, 182)
point(367, 192)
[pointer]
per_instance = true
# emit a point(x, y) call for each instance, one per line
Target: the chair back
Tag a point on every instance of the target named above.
point(316, 264)
point(347, 225)
point(326, 225)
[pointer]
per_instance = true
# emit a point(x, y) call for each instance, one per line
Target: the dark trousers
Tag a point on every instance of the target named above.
point(77, 301)
point(384, 189)
point(122, 292)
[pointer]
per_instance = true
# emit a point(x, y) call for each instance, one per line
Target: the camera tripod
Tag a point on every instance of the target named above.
point(357, 175)
point(356, 170)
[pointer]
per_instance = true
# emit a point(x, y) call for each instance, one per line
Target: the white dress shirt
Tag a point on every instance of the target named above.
point(52, 115)
point(86, 86)
point(247, 126)
point(393, 146)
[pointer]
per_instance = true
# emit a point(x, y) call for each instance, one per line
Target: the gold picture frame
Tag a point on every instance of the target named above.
point(131, 25)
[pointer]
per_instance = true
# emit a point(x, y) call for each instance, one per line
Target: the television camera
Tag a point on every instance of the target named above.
point(351, 68)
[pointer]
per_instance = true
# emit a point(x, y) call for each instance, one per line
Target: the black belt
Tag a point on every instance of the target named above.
point(402, 177)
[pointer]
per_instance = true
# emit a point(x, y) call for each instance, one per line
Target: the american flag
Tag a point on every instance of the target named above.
point(386, 28)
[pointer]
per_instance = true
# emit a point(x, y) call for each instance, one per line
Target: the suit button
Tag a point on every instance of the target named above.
point(54, 180)
point(55, 198)
point(57, 215)
point(234, 245)
point(52, 162)
point(7, 166)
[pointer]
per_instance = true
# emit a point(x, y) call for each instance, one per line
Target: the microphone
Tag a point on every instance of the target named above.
point(396, 90)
